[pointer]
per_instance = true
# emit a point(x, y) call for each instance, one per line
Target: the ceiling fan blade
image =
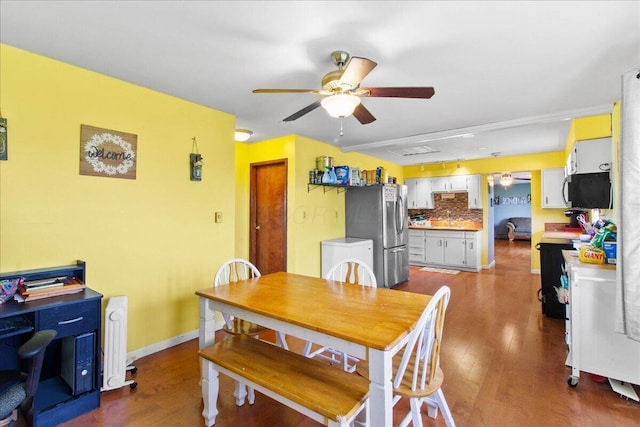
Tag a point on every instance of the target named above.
point(289, 91)
point(357, 69)
point(363, 115)
point(399, 92)
point(302, 112)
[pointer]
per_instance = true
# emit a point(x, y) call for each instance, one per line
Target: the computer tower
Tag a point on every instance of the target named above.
point(78, 362)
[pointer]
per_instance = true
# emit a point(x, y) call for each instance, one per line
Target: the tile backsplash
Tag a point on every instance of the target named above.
point(458, 207)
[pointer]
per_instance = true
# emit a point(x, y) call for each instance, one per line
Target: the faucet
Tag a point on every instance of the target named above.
point(449, 217)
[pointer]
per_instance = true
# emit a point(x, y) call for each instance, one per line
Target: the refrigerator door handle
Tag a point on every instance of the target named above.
point(400, 223)
point(398, 249)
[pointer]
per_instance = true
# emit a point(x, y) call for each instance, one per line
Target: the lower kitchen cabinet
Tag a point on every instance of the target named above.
point(445, 248)
point(433, 248)
point(416, 247)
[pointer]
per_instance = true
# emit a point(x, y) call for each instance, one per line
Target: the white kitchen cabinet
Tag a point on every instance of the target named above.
point(472, 258)
point(412, 192)
point(594, 345)
point(337, 250)
point(590, 156)
point(419, 193)
point(433, 248)
point(424, 196)
point(458, 183)
point(416, 247)
point(553, 188)
point(449, 183)
point(449, 248)
point(474, 190)
point(454, 250)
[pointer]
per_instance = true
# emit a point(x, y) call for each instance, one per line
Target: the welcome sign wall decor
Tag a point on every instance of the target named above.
point(107, 153)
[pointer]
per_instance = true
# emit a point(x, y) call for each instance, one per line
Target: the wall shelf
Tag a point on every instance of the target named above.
point(327, 187)
point(340, 188)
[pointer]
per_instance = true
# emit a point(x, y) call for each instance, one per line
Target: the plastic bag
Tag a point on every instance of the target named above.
point(608, 232)
point(8, 289)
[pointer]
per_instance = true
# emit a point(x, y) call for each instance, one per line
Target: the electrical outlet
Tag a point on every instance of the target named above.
point(218, 216)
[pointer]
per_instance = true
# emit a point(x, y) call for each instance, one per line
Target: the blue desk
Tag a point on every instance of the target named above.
point(75, 317)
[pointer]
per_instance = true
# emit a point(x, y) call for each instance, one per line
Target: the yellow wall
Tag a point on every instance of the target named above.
point(313, 214)
point(152, 238)
point(584, 128)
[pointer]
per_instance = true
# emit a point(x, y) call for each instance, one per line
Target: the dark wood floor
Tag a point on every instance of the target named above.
point(503, 363)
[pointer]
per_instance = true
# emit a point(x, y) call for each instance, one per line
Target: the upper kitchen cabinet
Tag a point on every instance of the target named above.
point(590, 156)
point(449, 183)
point(474, 188)
point(553, 188)
point(419, 193)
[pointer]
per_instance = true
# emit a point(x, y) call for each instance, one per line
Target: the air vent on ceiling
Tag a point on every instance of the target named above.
point(414, 151)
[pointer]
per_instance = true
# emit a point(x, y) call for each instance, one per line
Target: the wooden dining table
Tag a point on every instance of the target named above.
point(369, 323)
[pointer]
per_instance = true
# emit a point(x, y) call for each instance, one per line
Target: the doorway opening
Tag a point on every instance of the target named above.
point(510, 201)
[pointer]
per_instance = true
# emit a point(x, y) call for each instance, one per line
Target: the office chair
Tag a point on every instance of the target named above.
point(18, 388)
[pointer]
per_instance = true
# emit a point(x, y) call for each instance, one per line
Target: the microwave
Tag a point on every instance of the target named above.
point(589, 190)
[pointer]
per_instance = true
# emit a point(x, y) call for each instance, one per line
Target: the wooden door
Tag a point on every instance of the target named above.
point(268, 216)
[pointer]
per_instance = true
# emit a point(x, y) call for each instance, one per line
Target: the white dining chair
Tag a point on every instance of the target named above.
point(350, 271)
point(416, 370)
point(233, 271)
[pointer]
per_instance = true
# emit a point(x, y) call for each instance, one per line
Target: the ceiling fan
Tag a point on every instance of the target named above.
point(341, 92)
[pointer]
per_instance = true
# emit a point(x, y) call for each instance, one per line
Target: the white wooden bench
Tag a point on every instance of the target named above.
point(324, 393)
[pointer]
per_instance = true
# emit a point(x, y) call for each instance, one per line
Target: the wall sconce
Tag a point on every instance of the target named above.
point(3, 138)
point(195, 162)
point(242, 135)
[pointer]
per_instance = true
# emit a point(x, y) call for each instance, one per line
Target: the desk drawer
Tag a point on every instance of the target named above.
point(70, 319)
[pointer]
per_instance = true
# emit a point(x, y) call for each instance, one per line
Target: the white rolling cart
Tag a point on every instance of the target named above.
point(594, 345)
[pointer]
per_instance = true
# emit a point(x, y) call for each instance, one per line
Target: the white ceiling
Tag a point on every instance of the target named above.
point(506, 72)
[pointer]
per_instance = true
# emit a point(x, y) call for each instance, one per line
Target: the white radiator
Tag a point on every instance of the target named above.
point(115, 364)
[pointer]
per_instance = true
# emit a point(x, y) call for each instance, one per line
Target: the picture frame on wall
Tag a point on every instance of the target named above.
point(107, 153)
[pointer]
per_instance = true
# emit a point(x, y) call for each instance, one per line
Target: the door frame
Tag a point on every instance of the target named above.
point(253, 167)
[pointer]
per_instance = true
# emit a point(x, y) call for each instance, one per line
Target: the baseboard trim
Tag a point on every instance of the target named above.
point(490, 266)
point(163, 345)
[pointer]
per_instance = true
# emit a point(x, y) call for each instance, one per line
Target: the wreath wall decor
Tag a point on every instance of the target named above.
point(108, 153)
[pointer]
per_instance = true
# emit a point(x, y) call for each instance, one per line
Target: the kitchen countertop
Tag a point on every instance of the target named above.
point(453, 227)
point(561, 235)
point(574, 260)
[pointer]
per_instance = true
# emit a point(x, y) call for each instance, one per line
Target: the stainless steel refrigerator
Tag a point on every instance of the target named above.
point(379, 213)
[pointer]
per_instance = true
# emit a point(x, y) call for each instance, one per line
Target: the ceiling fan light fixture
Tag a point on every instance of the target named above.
point(242, 135)
point(341, 105)
point(506, 179)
